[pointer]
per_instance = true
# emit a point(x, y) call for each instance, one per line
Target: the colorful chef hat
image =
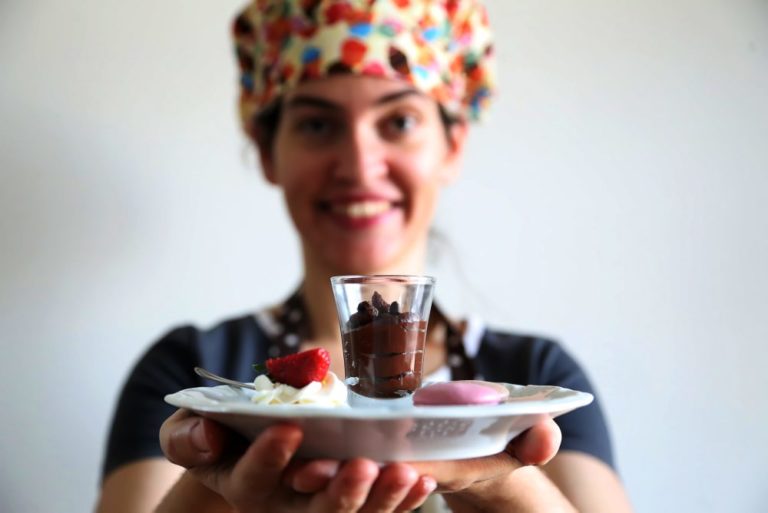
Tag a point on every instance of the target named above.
point(442, 47)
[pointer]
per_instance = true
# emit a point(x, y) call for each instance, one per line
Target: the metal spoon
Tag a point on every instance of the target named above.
point(213, 377)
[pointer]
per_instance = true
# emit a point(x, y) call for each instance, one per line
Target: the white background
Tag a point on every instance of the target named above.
point(617, 200)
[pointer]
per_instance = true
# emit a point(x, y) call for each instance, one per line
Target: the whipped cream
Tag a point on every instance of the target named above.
point(329, 392)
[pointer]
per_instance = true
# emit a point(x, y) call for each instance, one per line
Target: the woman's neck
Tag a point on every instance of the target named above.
point(318, 296)
point(320, 306)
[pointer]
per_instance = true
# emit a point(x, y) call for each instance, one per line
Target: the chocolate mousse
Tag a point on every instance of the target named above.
point(383, 349)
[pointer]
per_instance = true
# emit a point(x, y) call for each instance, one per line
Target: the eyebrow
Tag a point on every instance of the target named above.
point(306, 100)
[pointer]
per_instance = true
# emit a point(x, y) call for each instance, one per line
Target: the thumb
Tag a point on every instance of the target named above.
point(538, 445)
point(189, 440)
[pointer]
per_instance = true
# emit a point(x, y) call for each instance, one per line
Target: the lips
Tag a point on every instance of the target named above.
point(360, 212)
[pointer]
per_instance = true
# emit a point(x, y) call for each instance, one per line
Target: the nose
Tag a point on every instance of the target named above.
point(361, 156)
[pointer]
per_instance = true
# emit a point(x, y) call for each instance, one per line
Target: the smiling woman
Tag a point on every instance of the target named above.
point(360, 113)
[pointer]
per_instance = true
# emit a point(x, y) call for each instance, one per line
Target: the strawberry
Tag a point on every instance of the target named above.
point(300, 369)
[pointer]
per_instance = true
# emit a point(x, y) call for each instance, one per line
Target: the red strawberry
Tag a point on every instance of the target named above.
point(300, 369)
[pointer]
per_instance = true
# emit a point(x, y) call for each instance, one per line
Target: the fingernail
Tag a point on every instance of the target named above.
point(197, 436)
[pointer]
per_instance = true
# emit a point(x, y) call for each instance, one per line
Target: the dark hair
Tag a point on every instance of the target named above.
point(267, 122)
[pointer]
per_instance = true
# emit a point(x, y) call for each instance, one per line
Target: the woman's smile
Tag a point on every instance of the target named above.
point(360, 212)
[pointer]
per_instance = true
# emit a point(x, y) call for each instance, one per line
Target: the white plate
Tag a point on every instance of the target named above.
point(414, 433)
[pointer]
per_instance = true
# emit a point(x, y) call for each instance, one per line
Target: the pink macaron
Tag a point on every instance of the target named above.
point(453, 393)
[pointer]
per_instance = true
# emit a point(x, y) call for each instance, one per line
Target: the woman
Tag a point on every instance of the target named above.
point(359, 111)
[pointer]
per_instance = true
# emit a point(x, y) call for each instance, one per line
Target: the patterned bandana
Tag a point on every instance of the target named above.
point(442, 47)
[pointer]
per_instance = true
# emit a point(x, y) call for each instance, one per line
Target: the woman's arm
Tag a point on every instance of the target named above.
point(589, 484)
point(571, 482)
point(137, 487)
point(156, 485)
point(188, 494)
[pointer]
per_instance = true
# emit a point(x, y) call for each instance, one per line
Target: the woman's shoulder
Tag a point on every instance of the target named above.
point(228, 347)
point(226, 333)
point(514, 341)
point(525, 357)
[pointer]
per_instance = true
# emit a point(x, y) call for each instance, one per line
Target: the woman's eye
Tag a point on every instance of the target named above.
point(404, 123)
point(400, 125)
point(315, 127)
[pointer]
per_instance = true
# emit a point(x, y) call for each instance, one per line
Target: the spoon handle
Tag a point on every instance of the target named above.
point(213, 377)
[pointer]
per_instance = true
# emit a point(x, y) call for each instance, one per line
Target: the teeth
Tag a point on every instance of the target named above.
point(362, 208)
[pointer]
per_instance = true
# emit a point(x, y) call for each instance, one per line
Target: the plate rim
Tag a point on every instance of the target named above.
point(554, 406)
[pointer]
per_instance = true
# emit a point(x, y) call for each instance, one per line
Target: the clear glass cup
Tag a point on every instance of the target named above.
point(383, 321)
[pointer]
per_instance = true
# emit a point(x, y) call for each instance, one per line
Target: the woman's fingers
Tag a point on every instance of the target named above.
point(258, 473)
point(190, 441)
point(311, 476)
point(398, 486)
point(418, 493)
point(246, 479)
point(349, 489)
point(391, 488)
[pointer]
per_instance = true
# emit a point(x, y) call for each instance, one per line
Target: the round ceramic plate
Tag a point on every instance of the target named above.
point(413, 433)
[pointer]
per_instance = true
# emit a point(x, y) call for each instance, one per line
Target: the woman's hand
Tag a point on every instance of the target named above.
point(536, 446)
point(507, 481)
point(265, 476)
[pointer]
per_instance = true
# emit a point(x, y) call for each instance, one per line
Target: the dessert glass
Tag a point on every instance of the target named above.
point(383, 321)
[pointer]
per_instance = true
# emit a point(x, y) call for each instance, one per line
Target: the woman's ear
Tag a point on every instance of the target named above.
point(458, 132)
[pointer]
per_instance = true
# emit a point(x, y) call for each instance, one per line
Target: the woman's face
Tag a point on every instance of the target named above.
point(360, 161)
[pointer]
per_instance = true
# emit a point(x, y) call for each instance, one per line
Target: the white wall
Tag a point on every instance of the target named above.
point(621, 191)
